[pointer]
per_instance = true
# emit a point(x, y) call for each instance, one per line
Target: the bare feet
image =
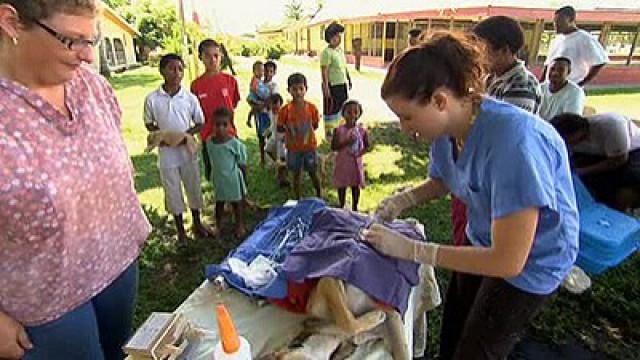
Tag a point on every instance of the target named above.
point(241, 232)
point(215, 232)
point(250, 204)
point(203, 231)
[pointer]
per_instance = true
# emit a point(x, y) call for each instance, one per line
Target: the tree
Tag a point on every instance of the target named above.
point(319, 6)
point(154, 19)
point(294, 10)
point(115, 4)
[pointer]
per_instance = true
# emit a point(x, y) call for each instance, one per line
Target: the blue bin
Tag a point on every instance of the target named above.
point(583, 197)
point(607, 236)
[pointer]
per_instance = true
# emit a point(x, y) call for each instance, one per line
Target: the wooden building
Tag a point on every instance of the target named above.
point(385, 34)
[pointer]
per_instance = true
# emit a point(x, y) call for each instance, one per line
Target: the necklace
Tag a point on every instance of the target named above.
point(475, 109)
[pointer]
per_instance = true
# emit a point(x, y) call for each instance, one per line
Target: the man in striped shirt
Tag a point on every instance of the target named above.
point(510, 80)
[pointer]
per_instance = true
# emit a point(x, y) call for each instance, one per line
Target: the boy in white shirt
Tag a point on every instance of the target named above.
point(173, 109)
point(559, 94)
point(587, 55)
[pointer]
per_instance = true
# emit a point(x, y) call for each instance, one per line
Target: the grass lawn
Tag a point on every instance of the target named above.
point(604, 319)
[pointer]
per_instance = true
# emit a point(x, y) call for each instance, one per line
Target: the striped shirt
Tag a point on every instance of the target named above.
point(517, 86)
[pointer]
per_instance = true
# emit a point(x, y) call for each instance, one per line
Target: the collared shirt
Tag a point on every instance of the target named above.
point(518, 86)
point(70, 219)
point(173, 113)
point(512, 161)
point(569, 99)
point(581, 48)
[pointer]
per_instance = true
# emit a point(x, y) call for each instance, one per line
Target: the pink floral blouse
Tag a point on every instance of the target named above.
point(70, 220)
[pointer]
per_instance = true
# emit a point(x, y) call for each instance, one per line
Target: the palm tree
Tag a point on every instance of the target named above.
point(294, 10)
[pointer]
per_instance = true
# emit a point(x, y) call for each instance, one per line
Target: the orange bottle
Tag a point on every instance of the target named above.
point(231, 345)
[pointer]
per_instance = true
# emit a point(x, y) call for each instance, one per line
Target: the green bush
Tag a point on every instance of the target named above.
point(278, 47)
point(272, 48)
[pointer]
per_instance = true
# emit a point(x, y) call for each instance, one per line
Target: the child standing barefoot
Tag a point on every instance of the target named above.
point(351, 142)
point(228, 170)
point(173, 109)
point(298, 120)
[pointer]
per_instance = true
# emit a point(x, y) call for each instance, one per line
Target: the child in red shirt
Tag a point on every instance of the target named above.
point(214, 89)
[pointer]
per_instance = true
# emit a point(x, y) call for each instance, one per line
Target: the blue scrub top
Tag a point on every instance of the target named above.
point(513, 160)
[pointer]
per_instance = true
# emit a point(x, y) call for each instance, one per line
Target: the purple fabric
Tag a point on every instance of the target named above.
point(332, 249)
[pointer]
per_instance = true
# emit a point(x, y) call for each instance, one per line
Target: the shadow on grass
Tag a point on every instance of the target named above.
point(122, 81)
point(170, 272)
point(147, 175)
point(414, 155)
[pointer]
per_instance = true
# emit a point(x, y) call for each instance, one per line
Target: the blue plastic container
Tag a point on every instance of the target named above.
point(607, 236)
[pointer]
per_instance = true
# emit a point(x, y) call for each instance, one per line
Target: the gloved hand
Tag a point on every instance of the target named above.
point(391, 207)
point(392, 243)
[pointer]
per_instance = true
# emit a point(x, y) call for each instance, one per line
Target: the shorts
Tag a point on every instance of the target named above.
point(172, 181)
point(299, 160)
point(262, 123)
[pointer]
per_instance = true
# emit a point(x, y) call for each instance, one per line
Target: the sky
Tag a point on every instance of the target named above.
point(243, 16)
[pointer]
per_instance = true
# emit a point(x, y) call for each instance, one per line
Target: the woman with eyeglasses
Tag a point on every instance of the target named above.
point(71, 226)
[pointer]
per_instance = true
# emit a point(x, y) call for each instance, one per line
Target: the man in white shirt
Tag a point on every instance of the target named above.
point(171, 108)
point(559, 94)
point(587, 55)
point(606, 154)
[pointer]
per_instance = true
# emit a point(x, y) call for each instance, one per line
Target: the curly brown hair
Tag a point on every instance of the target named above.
point(454, 60)
point(30, 10)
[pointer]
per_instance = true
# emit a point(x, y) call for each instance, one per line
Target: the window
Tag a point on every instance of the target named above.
point(109, 52)
point(121, 57)
point(376, 38)
point(391, 30)
point(619, 42)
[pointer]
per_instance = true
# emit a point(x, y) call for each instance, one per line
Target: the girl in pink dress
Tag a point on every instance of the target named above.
point(351, 142)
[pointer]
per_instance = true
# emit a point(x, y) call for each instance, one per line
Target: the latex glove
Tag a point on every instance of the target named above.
point(13, 338)
point(391, 207)
point(394, 244)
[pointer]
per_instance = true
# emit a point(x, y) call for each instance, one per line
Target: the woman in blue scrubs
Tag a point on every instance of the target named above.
point(509, 167)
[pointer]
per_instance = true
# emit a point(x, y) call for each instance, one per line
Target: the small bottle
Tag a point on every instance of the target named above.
point(231, 346)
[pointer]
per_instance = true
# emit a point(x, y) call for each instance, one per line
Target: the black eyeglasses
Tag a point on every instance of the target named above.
point(70, 43)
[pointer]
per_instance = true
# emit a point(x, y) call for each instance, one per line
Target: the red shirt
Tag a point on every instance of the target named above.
point(214, 91)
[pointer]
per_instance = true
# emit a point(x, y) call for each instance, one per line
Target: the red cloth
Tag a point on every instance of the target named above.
point(459, 220)
point(214, 91)
point(297, 296)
